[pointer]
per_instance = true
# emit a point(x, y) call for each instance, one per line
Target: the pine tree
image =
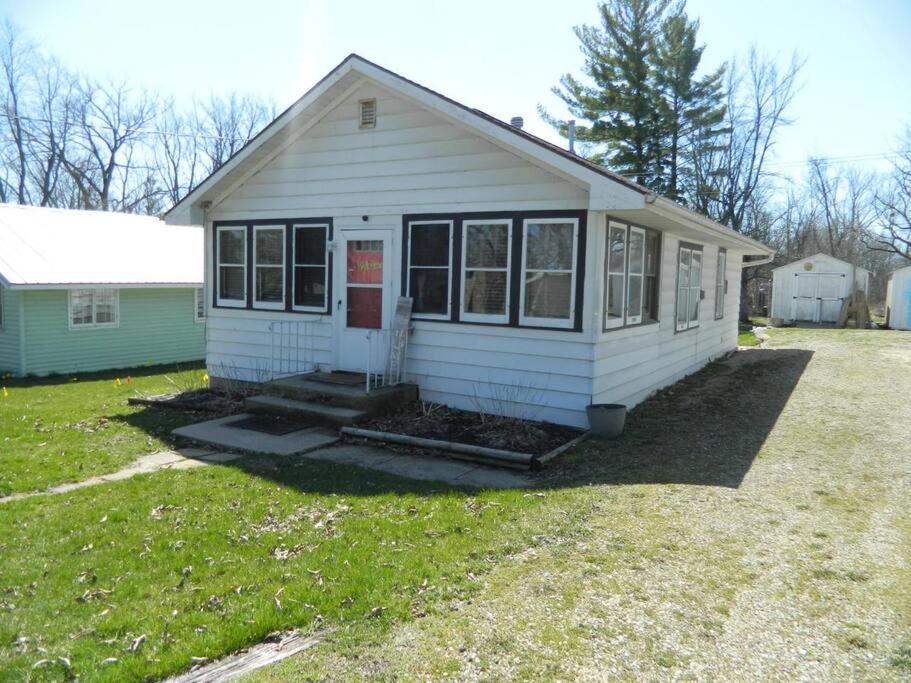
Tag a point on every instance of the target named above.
point(621, 105)
point(692, 109)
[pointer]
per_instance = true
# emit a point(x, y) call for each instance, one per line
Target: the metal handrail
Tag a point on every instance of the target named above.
point(387, 356)
point(293, 347)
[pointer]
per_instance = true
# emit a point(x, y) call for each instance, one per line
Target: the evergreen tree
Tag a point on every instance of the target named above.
point(621, 105)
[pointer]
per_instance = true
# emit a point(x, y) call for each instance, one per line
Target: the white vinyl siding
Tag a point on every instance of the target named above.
point(485, 276)
point(548, 283)
point(721, 284)
point(231, 266)
point(90, 308)
point(269, 267)
point(2, 304)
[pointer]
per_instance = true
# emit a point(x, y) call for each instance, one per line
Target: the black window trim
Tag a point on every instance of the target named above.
point(515, 266)
point(629, 224)
point(288, 224)
point(406, 256)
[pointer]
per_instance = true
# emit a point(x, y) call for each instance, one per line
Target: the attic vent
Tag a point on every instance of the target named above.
point(367, 113)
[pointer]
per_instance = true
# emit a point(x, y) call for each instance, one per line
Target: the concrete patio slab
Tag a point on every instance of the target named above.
point(219, 433)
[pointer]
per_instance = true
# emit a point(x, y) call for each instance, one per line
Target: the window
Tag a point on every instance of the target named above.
point(689, 286)
point(94, 308)
point(721, 284)
point(231, 252)
point(311, 268)
point(367, 114)
point(486, 253)
point(429, 263)
point(199, 307)
point(548, 272)
point(269, 266)
point(631, 276)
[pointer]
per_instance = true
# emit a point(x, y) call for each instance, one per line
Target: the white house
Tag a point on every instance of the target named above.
point(541, 282)
point(812, 289)
point(898, 299)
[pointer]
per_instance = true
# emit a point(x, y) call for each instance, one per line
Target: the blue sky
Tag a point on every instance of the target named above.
point(499, 56)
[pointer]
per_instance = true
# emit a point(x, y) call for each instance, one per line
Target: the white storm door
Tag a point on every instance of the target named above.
point(363, 292)
point(831, 295)
point(806, 304)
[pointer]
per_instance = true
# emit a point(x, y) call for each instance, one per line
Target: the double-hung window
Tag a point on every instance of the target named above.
point(429, 267)
point(231, 252)
point(200, 304)
point(631, 276)
point(721, 284)
point(689, 286)
point(311, 268)
point(486, 254)
point(269, 266)
point(94, 308)
point(548, 281)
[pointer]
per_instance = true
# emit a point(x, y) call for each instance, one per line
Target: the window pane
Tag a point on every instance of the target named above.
point(231, 283)
point(269, 284)
point(550, 246)
point(310, 286)
point(81, 307)
point(430, 244)
point(486, 246)
point(485, 292)
point(615, 296)
point(635, 296)
point(310, 246)
point(650, 302)
point(231, 245)
point(694, 304)
point(270, 246)
point(651, 254)
point(430, 290)
point(365, 307)
point(105, 306)
point(682, 305)
point(365, 262)
point(683, 269)
point(548, 295)
point(696, 270)
point(617, 253)
point(636, 251)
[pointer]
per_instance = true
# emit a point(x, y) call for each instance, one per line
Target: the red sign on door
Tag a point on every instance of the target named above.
point(365, 262)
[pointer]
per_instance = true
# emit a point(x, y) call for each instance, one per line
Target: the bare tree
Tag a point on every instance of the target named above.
point(846, 210)
point(109, 144)
point(16, 57)
point(892, 235)
point(178, 152)
point(228, 123)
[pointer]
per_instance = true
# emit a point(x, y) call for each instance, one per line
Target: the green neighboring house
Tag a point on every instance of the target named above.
point(89, 290)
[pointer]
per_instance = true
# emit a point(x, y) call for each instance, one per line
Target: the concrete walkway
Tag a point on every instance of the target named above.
point(181, 459)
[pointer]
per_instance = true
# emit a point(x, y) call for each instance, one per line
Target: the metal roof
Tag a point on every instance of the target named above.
point(47, 247)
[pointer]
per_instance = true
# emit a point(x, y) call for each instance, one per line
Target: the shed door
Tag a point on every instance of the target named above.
point(831, 295)
point(806, 305)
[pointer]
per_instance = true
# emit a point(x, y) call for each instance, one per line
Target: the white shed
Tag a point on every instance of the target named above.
point(813, 288)
point(898, 299)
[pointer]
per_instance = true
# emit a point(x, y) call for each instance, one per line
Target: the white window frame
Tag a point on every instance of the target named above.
point(612, 323)
point(721, 282)
point(634, 319)
point(324, 265)
point(199, 297)
point(532, 321)
point(93, 325)
point(693, 292)
point(230, 303)
point(258, 303)
point(408, 267)
point(468, 316)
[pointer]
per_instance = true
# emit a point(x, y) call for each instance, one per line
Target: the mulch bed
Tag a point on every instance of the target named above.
point(197, 400)
point(435, 421)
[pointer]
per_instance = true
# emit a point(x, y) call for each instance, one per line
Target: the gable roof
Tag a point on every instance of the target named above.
point(608, 190)
point(42, 247)
point(823, 256)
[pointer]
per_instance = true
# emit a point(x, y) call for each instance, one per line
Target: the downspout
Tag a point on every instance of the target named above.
point(21, 300)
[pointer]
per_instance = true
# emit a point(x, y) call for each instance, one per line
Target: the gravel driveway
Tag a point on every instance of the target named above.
point(754, 523)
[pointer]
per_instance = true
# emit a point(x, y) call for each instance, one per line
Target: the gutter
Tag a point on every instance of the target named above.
point(757, 262)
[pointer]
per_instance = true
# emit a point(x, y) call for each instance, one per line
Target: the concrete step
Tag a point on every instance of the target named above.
point(322, 413)
point(307, 388)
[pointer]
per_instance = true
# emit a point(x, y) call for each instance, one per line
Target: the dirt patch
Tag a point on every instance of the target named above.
point(435, 421)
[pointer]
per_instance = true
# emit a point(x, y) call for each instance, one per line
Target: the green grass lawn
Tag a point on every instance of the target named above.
point(745, 336)
point(67, 428)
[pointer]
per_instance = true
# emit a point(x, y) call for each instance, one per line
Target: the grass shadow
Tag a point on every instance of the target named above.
point(705, 430)
point(102, 375)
